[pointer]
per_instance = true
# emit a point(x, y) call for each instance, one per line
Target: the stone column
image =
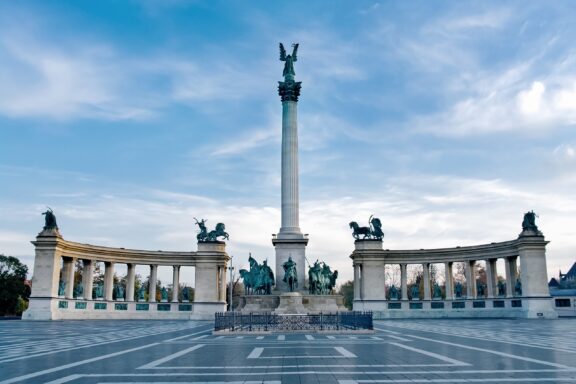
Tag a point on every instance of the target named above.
point(362, 282)
point(108, 280)
point(152, 283)
point(491, 278)
point(510, 265)
point(357, 282)
point(449, 281)
point(68, 277)
point(130, 279)
point(175, 282)
point(384, 282)
point(471, 283)
point(88, 278)
point(426, 274)
point(404, 281)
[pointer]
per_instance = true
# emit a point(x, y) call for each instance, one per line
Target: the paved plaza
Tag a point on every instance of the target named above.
point(399, 351)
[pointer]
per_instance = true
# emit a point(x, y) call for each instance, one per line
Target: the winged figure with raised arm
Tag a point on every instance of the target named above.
point(289, 60)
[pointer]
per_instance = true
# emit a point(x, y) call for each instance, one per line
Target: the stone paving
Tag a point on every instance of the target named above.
point(399, 351)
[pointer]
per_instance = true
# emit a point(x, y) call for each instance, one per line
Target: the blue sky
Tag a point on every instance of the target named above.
point(448, 120)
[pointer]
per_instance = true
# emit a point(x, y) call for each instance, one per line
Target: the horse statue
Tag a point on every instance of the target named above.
point(373, 231)
point(328, 279)
point(259, 279)
point(290, 274)
point(314, 277)
point(358, 230)
point(218, 232)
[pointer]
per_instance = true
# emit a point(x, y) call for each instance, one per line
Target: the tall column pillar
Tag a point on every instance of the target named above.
point(152, 283)
point(87, 278)
point(175, 282)
point(510, 265)
point(356, 281)
point(108, 280)
point(362, 282)
point(491, 278)
point(449, 286)
point(426, 270)
point(68, 277)
point(130, 279)
point(404, 281)
point(384, 282)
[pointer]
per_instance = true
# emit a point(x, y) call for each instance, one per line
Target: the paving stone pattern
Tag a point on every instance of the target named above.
point(400, 351)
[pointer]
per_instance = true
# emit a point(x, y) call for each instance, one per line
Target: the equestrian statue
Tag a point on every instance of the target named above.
point(204, 236)
point(321, 280)
point(259, 279)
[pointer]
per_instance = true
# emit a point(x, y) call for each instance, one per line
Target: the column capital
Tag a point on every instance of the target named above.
point(289, 90)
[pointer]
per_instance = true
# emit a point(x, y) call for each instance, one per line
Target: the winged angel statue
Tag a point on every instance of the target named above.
point(289, 60)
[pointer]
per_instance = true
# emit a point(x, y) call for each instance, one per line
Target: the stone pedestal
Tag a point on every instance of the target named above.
point(291, 302)
point(295, 248)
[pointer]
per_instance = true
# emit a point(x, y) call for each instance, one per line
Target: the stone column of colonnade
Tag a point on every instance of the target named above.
point(175, 282)
point(152, 283)
point(511, 272)
point(108, 280)
point(471, 279)
point(87, 278)
point(491, 275)
point(404, 281)
point(130, 279)
point(68, 276)
point(449, 284)
point(426, 275)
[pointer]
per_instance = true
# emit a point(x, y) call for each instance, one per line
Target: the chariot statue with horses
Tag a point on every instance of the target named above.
point(204, 236)
point(259, 279)
point(372, 232)
point(321, 280)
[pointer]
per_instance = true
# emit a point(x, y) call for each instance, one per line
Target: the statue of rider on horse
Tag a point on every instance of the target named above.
point(259, 279)
point(204, 236)
point(321, 280)
point(290, 274)
point(372, 232)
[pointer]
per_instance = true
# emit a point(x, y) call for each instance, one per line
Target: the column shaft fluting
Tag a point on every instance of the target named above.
point(404, 280)
point(108, 280)
point(290, 200)
point(175, 282)
point(130, 279)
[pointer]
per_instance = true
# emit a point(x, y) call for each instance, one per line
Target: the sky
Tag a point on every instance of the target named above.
point(447, 120)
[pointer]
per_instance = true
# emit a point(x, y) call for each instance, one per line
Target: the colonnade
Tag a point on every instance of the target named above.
point(55, 262)
point(511, 271)
point(527, 253)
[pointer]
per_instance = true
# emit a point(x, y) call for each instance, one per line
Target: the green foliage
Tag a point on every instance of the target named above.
point(347, 290)
point(12, 276)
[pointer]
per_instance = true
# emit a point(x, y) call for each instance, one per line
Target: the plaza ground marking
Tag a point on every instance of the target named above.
point(281, 338)
point(464, 335)
point(344, 353)
point(259, 337)
point(332, 372)
point(185, 336)
point(432, 354)
point(330, 337)
point(163, 360)
point(398, 338)
point(72, 365)
point(256, 352)
point(309, 337)
point(52, 351)
point(495, 352)
point(497, 380)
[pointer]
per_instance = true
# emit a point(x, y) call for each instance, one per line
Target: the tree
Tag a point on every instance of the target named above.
point(12, 288)
point(347, 290)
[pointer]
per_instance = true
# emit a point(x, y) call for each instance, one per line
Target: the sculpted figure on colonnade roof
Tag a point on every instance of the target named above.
point(50, 219)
